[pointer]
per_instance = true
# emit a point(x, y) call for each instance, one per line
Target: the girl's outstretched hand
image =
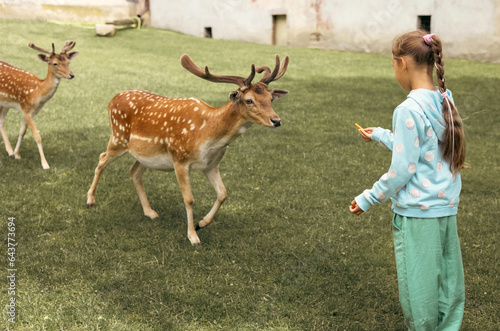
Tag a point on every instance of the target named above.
point(354, 208)
point(366, 133)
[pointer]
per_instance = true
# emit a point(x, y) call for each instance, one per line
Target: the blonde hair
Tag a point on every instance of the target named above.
point(431, 53)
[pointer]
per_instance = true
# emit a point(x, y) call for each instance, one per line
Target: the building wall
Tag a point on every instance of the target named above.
point(68, 10)
point(470, 29)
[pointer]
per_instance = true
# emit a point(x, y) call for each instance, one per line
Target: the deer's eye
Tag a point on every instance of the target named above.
point(55, 63)
point(248, 101)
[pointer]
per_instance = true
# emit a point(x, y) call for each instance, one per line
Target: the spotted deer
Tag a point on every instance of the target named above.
point(22, 90)
point(187, 134)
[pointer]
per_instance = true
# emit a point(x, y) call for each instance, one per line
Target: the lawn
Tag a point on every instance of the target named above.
point(283, 252)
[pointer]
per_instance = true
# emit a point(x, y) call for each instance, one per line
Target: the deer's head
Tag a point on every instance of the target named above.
point(58, 63)
point(252, 99)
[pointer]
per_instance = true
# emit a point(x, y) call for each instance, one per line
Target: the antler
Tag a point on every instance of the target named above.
point(277, 72)
point(43, 50)
point(188, 64)
point(68, 46)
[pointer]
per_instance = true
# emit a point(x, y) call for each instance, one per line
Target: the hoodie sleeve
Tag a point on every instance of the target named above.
point(408, 127)
point(384, 137)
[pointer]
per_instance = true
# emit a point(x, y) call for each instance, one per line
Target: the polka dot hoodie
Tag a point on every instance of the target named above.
point(419, 182)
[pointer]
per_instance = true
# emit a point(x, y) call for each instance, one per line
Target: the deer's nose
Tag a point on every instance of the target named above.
point(276, 123)
point(71, 76)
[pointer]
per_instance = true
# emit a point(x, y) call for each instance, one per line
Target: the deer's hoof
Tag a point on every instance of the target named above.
point(197, 227)
point(90, 205)
point(194, 240)
point(152, 215)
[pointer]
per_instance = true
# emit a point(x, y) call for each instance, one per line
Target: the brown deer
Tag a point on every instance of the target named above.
point(186, 134)
point(26, 92)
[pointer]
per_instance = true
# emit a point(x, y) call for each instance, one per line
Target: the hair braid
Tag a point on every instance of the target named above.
point(454, 142)
point(438, 64)
point(429, 52)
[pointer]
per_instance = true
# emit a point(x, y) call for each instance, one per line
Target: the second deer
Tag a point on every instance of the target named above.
point(186, 134)
point(26, 92)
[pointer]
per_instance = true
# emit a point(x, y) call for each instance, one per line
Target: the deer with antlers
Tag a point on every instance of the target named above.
point(187, 134)
point(26, 92)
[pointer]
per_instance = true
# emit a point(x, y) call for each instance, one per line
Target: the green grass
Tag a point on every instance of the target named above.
point(283, 252)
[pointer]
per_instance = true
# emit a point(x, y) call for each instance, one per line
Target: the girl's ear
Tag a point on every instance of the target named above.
point(400, 62)
point(404, 63)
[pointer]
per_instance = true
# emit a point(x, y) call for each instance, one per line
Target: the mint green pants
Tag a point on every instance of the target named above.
point(430, 272)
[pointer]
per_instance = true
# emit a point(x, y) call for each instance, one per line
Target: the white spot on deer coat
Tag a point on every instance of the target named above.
point(134, 136)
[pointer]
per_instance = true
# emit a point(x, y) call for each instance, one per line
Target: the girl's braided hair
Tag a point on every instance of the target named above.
point(429, 52)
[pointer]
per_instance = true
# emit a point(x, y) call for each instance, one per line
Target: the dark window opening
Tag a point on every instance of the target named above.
point(424, 23)
point(208, 32)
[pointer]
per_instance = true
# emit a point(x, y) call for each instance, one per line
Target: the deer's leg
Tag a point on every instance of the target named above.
point(215, 179)
point(8, 147)
point(113, 152)
point(136, 172)
point(28, 120)
point(182, 173)
point(22, 132)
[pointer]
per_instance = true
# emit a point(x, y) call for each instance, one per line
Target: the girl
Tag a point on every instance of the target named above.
point(423, 182)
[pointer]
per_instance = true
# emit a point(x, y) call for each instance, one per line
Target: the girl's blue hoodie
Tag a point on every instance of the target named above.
point(419, 181)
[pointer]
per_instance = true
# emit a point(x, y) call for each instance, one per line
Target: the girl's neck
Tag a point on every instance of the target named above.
point(422, 79)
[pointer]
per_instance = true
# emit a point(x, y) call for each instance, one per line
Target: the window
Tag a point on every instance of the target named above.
point(424, 23)
point(208, 32)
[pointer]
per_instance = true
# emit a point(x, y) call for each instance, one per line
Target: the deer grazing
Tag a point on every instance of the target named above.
point(186, 134)
point(24, 91)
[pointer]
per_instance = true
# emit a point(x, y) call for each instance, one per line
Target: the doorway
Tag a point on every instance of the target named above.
point(280, 30)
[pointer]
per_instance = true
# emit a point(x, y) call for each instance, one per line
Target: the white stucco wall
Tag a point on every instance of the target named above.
point(471, 29)
point(230, 19)
point(68, 10)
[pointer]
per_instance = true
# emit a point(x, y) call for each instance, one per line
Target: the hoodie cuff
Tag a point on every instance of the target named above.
point(377, 134)
point(362, 203)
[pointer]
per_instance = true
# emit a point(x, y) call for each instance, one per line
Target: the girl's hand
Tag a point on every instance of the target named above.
point(354, 208)
point(366, 133)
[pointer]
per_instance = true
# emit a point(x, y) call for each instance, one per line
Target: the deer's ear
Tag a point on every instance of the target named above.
point(43, 58)
point(72, 55)
point(235, 96)
point(276, 94)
